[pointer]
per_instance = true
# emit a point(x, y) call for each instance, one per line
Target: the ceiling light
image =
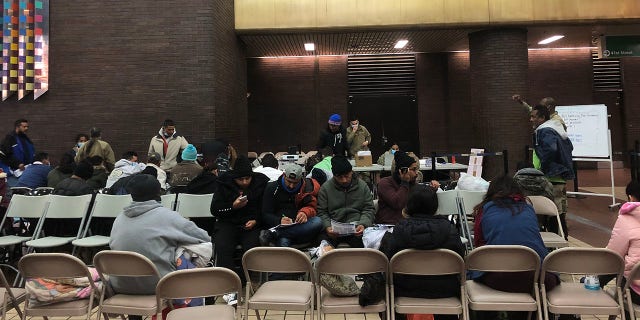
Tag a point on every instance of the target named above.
point(551, 39)
point(400, 44)
point(309, 46)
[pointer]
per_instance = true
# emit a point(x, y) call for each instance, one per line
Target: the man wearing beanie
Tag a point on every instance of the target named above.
point(186, 170)
point(236, 206)
point(291, 199)
point(148, 228)
point(344, 198)
point(334, 137)
point(168, 143)
point(394, 190)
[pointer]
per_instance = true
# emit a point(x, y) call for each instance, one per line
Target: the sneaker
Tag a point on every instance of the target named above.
point(266, 238)
point(231, 299)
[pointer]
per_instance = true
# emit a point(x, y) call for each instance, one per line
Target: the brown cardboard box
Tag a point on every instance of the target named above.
point(364, 159)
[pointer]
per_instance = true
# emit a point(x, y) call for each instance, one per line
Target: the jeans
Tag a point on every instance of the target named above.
point(299, 233)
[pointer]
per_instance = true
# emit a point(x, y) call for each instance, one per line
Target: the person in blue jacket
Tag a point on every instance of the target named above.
point(16, 151)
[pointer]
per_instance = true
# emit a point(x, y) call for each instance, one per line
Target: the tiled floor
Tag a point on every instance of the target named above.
point(589, 220)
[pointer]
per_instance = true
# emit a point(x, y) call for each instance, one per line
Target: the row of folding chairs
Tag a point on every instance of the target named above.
point(289, 295)
point(37, 209)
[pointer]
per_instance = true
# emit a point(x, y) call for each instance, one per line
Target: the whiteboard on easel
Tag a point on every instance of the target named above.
point(587, 127)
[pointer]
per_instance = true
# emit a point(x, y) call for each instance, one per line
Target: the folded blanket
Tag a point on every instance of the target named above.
point(44, 291)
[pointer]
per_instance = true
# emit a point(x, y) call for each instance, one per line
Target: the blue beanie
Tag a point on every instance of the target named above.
point(190, 153)
point(335, 119)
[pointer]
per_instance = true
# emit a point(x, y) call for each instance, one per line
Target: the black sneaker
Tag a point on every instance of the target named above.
point(266, 237)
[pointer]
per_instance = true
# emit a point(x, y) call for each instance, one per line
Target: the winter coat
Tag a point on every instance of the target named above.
point(34, 175)
point(184, 172)
point(625, 238)
point(553, 147)
point(336, 141)
point(205, 183)
point(392, 198)
point(175, 144)
point(424, 232)
point(55, 176)
point(123, 168)
point(356, 138)
point(16, 148)
point(278, 202)
point(228, 192)
point(72, 187)
point(351, 204)
point(156, 232)
point(97, 148)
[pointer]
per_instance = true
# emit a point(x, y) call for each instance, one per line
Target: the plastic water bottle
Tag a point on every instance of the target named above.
point(592, 282)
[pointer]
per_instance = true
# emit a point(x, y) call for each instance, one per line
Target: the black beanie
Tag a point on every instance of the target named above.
point(340, 165)
point(144, 187)
point(150, 171)
point(403, 160)
point(242, 168)
point(83, 170)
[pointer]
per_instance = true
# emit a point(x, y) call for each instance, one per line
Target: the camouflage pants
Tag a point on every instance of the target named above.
point(560, 199)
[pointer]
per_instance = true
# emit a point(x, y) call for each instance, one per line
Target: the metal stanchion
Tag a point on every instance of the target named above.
point(505, 161)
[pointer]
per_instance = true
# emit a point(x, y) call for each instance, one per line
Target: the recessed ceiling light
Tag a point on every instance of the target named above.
point(400, 44)
point(551, 39)
point(309, 46)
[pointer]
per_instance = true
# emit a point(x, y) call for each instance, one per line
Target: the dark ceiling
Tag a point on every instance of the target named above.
point(420, 40)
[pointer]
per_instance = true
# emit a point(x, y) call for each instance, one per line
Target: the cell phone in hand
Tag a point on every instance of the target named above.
point(242, 198)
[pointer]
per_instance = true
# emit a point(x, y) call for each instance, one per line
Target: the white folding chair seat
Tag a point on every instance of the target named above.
point(544, 206)
point(61, 207)
point(104, 206)
point(25, 207)
point(194, 205)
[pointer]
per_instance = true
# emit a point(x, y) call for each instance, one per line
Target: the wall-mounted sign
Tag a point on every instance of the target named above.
point(619, 46)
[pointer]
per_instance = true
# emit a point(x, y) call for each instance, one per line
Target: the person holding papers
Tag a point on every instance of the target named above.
point(289, 209)
point(345, 205)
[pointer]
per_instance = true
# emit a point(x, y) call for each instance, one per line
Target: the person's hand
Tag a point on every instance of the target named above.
point(517, 98)
point(240, 202)
point(434, 184)
point(286, 220)
point(330, 232)
point(21, 166)
point(359, 230)
point(366, 143)
point(405, 176)
point(301, 217)
point(250, 224)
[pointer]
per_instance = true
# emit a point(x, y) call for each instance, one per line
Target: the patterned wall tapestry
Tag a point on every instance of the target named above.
point(25, 48)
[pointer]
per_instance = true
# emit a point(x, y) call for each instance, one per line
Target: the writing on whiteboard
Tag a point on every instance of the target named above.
point(587, 127)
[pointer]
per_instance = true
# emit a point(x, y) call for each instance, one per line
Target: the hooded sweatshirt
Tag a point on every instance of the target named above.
point(124, 168)
point(553, 148)
point(156, 232)
point(625, 238)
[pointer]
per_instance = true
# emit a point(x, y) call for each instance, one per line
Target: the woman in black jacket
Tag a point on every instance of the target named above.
point(423, 230)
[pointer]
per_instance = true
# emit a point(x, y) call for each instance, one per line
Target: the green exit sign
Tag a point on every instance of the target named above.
point(619, 46)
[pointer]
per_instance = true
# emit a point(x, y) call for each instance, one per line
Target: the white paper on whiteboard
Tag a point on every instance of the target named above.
point(587, 126)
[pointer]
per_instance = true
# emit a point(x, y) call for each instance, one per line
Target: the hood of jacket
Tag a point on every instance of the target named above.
point(138, 208)
point(629, 207)
point(555, 125)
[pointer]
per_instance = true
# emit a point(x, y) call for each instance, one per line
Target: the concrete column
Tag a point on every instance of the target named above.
point(499, 65)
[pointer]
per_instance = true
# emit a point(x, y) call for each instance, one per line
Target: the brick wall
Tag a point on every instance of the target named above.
point(125, 66)
point(433, 114)
point(631, 105)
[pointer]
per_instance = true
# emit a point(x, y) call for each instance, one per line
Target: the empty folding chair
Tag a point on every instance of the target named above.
point(280, 295)
point(104, 206)
point(194, 205)
point(502, 258)
point(168, 201)
point(196, 283)
point(57, 266)
point(10, 297)
point(544, 206)
point(574, 298)
point(110, 263)
point(350, 262)
point(61, 207)
point(440, 262)
point(23, 207)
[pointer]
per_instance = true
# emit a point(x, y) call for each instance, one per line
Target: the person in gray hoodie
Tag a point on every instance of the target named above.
point(148, 228)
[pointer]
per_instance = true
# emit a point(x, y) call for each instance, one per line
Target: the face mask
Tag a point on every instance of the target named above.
point(393, 151)
point(80, 144)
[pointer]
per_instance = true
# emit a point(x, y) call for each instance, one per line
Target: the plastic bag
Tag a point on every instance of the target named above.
point(471, 183)
point(372, 236)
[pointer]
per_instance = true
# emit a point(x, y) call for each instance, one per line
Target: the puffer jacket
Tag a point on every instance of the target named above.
point(625, 238)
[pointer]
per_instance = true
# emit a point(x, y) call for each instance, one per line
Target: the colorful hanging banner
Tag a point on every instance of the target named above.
point(41, 48)
point(9, 48)
point(26, 48)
